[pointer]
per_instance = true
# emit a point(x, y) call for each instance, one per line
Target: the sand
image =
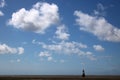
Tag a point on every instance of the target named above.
point(57, 77)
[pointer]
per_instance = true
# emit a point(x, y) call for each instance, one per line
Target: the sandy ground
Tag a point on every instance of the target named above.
point(70, 77)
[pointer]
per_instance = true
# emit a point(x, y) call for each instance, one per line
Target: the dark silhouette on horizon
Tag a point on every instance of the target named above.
point(83, 73)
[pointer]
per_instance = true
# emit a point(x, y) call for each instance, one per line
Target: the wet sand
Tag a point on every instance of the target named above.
point(57, 77)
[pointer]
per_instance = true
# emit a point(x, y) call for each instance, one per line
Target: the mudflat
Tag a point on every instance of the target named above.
point(57, 77)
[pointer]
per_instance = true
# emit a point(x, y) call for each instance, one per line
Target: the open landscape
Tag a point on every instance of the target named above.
point(58, 77)
point(59, 39)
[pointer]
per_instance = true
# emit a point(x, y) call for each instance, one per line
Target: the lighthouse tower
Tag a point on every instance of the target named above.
point(83, 73)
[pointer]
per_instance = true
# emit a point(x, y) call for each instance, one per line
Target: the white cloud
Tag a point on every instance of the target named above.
point(97, 26)
point(44, 54)
point(98, 47)
point(50, 58)
point(100, 11)
point(40, 17)
point(90, 56)
point(65, 47)
point(5, 49)
point(2, 3)
point(1, 13)
point(36, 42)
point(20, 50)
point(61, 33)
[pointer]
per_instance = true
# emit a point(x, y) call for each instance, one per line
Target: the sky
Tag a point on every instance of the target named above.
point(59, 37)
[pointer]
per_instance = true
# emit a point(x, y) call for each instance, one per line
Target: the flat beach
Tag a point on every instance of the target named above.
point(57, 77)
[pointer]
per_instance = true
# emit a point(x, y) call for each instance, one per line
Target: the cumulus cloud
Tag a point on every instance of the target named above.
point(5, 49)
point(2, 3)
point(40, 17)
point(98, 26)
point(20, 50)
point(98, 47)
point(61, 33)
point(64, 47)
point(1, 13)
point(46, 54)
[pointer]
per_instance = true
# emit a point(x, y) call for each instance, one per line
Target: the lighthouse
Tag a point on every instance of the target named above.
point(83, 73)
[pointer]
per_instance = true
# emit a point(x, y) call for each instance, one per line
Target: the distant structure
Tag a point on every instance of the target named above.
point(83, 73)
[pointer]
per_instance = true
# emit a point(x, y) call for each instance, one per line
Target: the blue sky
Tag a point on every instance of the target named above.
point(60, 37)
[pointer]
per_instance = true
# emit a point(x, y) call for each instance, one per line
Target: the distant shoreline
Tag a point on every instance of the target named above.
point(59, 77)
